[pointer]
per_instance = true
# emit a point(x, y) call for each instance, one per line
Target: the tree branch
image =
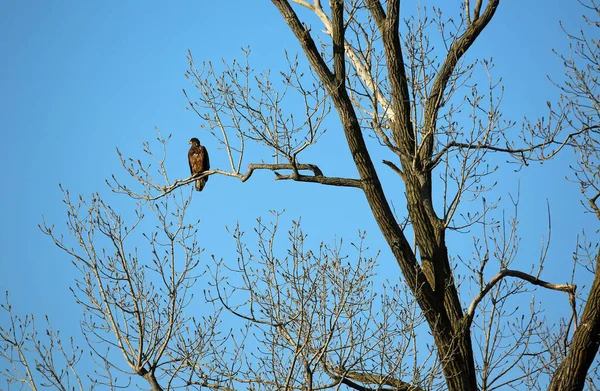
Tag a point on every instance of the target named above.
point(571, 373)
point(517, 151)
point(388, 25)
point(317, 178)
point(337, 23)
point(396, 384)
point(456, 51)
point(353, 55)
point(331, 181)
point(351, 379)
point(394, 167)
point(568, 288)
point(305, 39)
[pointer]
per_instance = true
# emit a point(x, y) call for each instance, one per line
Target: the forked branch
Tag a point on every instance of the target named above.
point(455, 53)
point(568, 288)
point(521, 153)
point(318, 177)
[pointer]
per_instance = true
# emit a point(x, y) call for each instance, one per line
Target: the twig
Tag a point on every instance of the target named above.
point(317, 178)
point(568, 288)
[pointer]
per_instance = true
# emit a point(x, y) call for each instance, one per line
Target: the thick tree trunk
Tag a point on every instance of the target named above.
point(150, 378)
point(436, 296)
point(572, 372)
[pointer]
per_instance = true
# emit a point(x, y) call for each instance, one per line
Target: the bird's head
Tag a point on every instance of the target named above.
point(195, 142)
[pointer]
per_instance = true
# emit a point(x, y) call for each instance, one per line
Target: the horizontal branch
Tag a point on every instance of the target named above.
point(350, 379)
point(317, 178)
point(264, 166)
point(330, 181)
point(252, 318)
point(513, 151)
point(568, 288)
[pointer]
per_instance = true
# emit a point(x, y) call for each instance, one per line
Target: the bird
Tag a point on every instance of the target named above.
point(198, 159)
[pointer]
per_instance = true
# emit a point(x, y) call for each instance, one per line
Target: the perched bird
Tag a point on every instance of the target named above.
point(198, 159)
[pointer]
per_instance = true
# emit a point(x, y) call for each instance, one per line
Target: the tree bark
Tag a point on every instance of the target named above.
point(571, 373)
point(150, 378)
point(452, 339)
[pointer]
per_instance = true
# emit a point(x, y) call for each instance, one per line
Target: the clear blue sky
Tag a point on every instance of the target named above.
point(79, 78)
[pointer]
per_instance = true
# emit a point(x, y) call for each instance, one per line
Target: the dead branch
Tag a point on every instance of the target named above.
point(318, 177)
point(568, 288)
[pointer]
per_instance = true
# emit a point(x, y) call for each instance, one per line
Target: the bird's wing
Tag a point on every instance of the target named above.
point(195, 160)
point(205, 159)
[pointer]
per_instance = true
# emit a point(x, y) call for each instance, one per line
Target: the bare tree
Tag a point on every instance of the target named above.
point(580, 106)
point(55, 363)
point(314, 318)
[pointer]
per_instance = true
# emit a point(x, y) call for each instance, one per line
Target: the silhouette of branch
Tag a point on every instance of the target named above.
point(513, 151)
point(568, 288)
point(296, 176)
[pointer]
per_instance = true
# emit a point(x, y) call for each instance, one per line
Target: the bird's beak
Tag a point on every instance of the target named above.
point(190, 142)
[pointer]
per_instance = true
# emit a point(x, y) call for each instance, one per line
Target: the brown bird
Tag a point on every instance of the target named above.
point(198, 159)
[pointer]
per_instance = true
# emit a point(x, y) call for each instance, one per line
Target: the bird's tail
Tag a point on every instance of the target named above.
point(200, 184)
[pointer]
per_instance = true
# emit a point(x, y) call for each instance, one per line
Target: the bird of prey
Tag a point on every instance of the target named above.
point(198, 159)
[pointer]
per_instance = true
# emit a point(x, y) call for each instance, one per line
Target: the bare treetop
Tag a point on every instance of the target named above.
point(405, 96)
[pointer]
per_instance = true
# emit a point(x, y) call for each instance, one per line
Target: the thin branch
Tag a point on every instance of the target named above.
point(317, 178)
point(595, 208)
point(517, 151)
point(331, 181)
point(351, 379)
point(394, 167)
point(568, 288)
point(353, 55)
point(455, 53)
